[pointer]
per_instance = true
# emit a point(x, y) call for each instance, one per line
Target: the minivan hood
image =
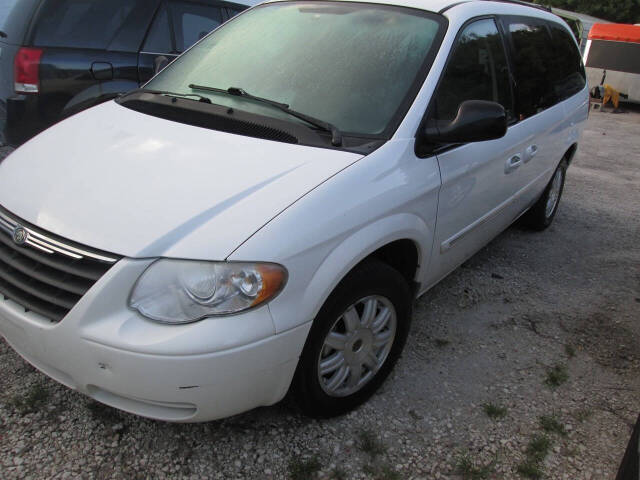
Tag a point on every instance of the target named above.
point(140, 186)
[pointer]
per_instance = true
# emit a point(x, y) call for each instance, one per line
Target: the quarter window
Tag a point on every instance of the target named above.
point(566, 68)
point(159, 38)
point(192, 22)
point(477, 70)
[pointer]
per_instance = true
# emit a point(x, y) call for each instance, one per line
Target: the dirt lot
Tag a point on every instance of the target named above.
point(535, 325)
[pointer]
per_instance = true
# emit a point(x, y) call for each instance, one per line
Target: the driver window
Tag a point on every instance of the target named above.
point(477, 70)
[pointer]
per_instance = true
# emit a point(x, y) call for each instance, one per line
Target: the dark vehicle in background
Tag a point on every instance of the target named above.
point(58, 57)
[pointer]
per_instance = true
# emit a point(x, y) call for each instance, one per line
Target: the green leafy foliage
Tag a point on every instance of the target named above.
point(621, 11)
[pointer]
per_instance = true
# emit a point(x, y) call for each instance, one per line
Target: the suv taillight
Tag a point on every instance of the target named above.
point(26, 70)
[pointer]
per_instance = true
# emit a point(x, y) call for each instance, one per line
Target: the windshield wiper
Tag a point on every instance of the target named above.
point(199, 98)
point(336, 135)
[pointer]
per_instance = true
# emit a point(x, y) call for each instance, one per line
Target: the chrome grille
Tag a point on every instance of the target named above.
point(43, 272)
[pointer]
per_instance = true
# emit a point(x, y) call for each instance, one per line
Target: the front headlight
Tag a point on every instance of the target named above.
point(183, 291)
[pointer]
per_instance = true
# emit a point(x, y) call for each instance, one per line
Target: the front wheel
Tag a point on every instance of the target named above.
point(354, 342)
point(541, 215)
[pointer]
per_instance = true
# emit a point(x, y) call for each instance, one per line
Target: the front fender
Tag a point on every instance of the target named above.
point(387, 196)
point(360, 245)
point(315, 272)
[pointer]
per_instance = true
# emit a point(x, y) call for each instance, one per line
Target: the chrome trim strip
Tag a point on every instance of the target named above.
point(39, 247)
point(76, 251)
point(49, 245)
point(5, 225)
point(449, 244)
point(36, 242)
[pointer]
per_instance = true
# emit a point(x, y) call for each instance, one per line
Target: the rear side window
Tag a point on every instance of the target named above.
point(80, 23)
point(566, 68)
point(477, 70)
point(533, 55)
point(159, 38)
point(192, 22)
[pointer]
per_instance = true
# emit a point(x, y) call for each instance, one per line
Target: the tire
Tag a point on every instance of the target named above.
point(371, 283)
point(541, 215)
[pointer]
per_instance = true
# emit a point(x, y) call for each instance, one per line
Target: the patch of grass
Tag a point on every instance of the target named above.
point(304, 469)
point(385, 472)
point(370, 443)
point(530, 469)
point(550, 424)
point(570, 350)
point(556, 376)
point(388, 473)
point(369, 469)
point(494, 411)
point(538, 448)
point(31, 401)
point(338, 474)
point(582, 414)
point(441, 342)
point(468, 469)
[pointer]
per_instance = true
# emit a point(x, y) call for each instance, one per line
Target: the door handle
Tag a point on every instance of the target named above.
point(513, 164)
point(532, 151)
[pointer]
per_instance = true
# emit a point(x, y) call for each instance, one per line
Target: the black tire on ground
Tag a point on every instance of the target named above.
point(538, 218)
point(371, 278)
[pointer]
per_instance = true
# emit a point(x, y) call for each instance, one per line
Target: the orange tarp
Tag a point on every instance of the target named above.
point(615, 32)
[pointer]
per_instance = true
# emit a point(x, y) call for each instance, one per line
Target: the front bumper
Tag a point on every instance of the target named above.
point(184, 373)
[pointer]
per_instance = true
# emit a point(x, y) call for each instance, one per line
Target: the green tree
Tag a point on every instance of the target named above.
point(621, 11)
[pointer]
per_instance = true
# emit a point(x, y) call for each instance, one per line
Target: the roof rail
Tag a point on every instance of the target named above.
point(516, 2)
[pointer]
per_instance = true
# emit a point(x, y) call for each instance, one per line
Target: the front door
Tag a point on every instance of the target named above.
point(481, 182)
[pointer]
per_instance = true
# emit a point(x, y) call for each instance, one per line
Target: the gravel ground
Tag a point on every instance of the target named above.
point(529, 311)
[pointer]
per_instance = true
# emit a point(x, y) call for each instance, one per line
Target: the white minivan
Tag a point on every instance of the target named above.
point(260, 217)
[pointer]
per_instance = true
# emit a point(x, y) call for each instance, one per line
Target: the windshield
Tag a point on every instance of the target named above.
point(354, 65)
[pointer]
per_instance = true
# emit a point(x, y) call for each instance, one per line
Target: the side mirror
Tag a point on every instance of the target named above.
point(477, 121)
point(159, 63)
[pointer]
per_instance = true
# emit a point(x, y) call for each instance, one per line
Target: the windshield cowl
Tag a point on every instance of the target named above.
point(237, 121)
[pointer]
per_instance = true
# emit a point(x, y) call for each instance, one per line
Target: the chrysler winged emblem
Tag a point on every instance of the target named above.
point(20, 235)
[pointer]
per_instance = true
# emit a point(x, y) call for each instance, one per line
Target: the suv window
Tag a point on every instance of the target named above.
point(533, 55)
point(15, 17)
point(5, 8)
point(159, 37)
point(566, 68)
point(477, 70)
point(192, 22)
point(80, 23)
